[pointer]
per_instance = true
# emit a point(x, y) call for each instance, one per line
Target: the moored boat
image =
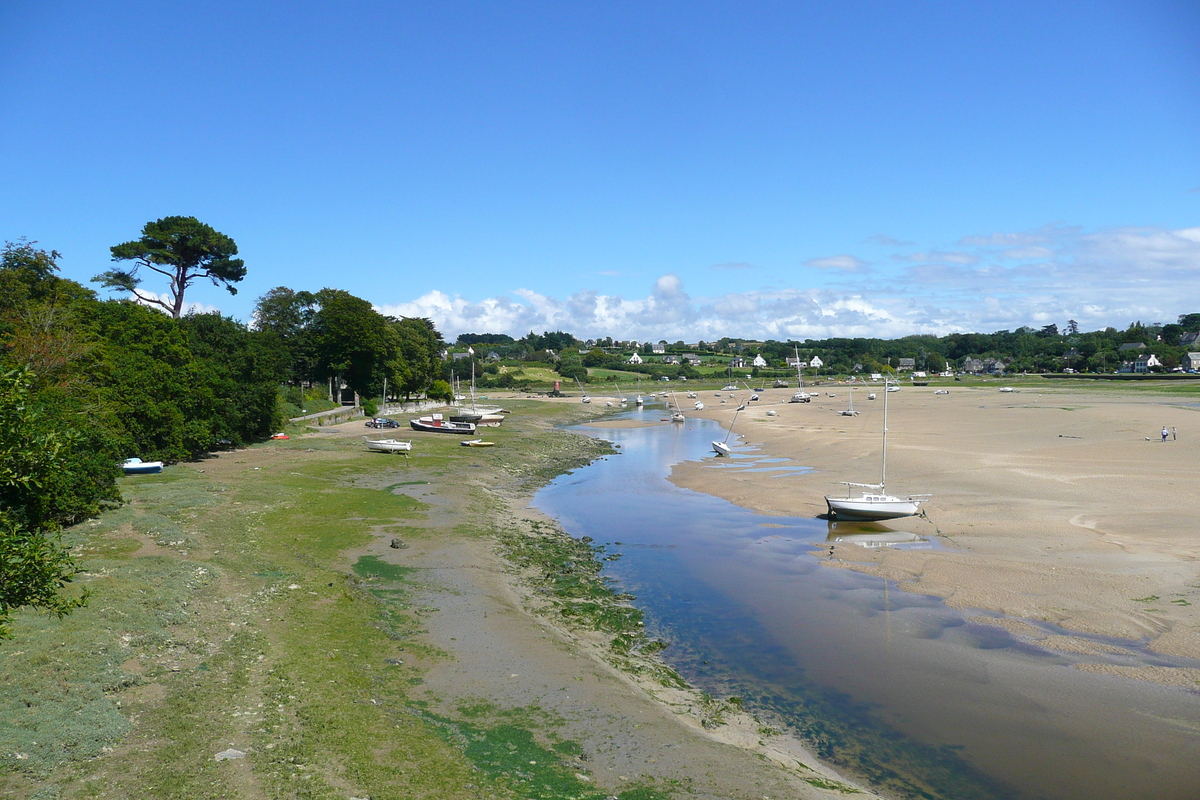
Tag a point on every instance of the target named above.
point(434, 423)
point(870, 506)
point(875, 503)
point(135, 466)
point(721, 448)
point(388, 445)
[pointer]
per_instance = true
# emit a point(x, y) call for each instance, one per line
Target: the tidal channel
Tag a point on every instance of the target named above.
point(896, 689)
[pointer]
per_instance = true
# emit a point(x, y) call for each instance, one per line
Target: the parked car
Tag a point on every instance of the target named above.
point(382, 422)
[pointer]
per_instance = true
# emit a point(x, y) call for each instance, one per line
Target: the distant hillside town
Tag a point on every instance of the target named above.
point(1140, 348)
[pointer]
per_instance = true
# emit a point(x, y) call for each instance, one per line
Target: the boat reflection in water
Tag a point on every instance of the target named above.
point(872, 535)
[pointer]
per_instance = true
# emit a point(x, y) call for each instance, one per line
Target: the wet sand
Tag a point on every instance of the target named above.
point(1051, 505)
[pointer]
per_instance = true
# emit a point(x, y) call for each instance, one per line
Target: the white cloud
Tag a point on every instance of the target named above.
point(843, 262)
point(1042, 235)
point(883, 240)
point(1108, 277)
point(670, 313)
point(1101, 278)
point(941, 257)
point(188, 308)
point(1021, 253)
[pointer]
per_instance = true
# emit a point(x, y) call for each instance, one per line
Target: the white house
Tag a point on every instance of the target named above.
point(737, 362)
point(815, 362)
point(659, 347)
point(1144, 363)
point(635, 359)
point(759, 361)
point(1190, 361)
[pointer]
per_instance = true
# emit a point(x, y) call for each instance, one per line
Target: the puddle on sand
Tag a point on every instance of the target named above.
point(894, 687)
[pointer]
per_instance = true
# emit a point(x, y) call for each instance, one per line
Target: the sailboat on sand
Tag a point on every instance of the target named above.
point(875, 503)
point(800, 396)
point(850, 412)
point(721, 448)
point(677, 414)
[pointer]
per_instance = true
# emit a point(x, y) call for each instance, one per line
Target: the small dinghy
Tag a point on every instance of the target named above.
point(135, 466)
point(476, 443)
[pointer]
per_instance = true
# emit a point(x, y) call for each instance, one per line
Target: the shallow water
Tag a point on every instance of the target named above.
point(892, 687)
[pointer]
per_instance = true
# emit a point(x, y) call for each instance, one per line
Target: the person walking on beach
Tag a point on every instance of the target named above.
point(1174, 435)
point(1165, 432)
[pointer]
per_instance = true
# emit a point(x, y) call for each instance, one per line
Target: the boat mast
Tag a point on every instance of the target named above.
point(735, 415)
point(883, 473)
point(471, 351)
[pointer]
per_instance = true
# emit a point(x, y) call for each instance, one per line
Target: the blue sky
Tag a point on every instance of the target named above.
point(647, 170)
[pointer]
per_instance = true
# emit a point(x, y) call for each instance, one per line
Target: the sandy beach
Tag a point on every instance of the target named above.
point(1059, 505)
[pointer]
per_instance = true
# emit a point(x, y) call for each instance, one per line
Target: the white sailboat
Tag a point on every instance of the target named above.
point(491, 417)
point(800, 396)
point(677, 414)
point(721, 448)
point(875, 503)
point(585, 399)
point(850, 412)
point(638, 400)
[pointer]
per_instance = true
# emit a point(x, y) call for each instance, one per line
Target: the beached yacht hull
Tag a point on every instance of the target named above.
point(387, 445)
point(872, 507)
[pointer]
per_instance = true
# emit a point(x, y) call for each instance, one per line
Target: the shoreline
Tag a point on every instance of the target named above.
point(1097, 542)
point(687, 731)
point(323, 605)
point(471, 629)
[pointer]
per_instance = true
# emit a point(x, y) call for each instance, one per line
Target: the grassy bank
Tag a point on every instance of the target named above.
point(236, 646)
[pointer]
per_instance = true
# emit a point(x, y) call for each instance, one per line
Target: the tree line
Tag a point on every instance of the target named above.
point(333, 338)
point(86, 382)
point(1026, 349)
